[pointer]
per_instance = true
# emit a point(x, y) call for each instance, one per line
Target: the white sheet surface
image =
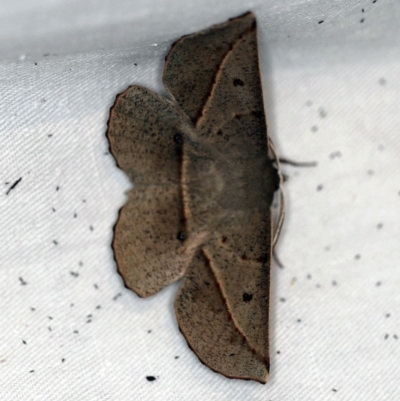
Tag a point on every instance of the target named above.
point(70, 330)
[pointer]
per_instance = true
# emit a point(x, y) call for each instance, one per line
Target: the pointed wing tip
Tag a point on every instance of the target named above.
point(247, 14)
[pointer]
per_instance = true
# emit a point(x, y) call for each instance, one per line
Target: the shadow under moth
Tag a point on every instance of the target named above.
point(203, 188)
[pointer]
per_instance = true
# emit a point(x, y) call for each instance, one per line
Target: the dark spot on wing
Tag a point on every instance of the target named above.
point(181, 236)
point(238, 82)
point(178, 139)
point(247, 297)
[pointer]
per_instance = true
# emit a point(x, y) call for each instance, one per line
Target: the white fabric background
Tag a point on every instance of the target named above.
point(66, 333)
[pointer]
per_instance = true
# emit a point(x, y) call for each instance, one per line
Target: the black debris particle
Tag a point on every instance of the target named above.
point(49, 328)
point(362, 10)
point(395, 336)
point(24, 342)
point(57, 188)
point(150, 378)
point(76, 332)
point(382, 81)
point(386, 336)
point(378, 283)
point(75, 215)
point(374, 1)
point(135, 64)
point(33, 309)
point(278, 352)
point(309, 276)
point(117, 296)
point(50, 135)
point(177, 357)
point(63, 360)
point(334, 390)
point(282, 299)
point(298, 320)
point(314, 128)
point(336, 154)
point(72, 305)
point(14, 185)
point(319, 187)
point(334, 283)
point(50, 317)
point(74, 274)
point(148, 331)
point(362, 20)
point(22, 281)
point(322, 112)
point(80, 263)
point(35, 63)
point(387, 315)
point(91, 228)
point(55, 242)
point(31, 371)
point(84, 200)
point(379, 226)
point(96, 287)
point(98, 307)
point(357, 256)
point(53, 209)
point(320, 22)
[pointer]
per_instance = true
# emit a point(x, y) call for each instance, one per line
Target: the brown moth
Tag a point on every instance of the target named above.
point(203, 187)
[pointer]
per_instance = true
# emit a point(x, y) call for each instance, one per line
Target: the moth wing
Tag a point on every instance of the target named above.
point(194, 60)
point(141, 132)
point(232, 122)
point(208, 328)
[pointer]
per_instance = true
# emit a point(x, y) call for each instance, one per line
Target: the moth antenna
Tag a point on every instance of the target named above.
point(281, 217)
point(293, 163)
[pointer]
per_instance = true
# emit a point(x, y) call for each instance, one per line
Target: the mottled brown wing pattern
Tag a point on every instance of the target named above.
point(218, 185)
point(143, 132)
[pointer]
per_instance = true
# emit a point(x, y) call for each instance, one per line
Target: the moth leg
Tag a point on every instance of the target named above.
point(281, 217)
point(282, 179)
point(276, 259)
